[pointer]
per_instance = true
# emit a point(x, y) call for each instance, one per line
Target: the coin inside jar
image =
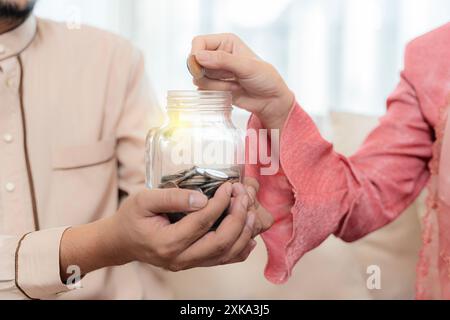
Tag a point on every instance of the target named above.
point(216, 175)
point(204, 180)
point(196, 70)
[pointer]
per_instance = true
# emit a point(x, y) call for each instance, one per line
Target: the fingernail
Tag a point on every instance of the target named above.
point(202, 56)
point(250, 221)
point(197, 200)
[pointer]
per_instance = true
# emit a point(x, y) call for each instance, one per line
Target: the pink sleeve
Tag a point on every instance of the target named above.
point(319, 192)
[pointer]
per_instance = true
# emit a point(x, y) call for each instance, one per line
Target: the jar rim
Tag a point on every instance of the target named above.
point(199, 100)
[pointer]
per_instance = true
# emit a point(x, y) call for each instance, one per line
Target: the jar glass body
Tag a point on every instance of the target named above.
point(198, 147)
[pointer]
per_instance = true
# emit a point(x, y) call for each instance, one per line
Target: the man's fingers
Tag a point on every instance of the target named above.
point(171, 200)
point(236, 223)
point(217, 244)
point(241, 66)
point(243, 241)
point(244, 254)
point(239, 190)
point(198, 223)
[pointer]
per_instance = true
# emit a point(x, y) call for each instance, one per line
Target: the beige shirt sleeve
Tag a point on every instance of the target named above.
point(37, 264)
point(8, 246)
point(29, 265)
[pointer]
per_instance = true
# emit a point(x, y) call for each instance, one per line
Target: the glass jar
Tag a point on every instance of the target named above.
point(198, 148)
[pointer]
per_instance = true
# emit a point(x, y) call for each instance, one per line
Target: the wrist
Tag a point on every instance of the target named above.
point(91, 247)
point(112, 243)
point(276, 113)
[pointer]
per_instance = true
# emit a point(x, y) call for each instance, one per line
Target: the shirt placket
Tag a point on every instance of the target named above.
point(16, 208)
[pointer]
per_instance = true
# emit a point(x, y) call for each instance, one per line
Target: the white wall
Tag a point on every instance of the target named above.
point(340, 55)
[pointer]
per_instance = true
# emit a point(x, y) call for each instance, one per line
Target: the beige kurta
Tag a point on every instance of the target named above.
point(74, 112)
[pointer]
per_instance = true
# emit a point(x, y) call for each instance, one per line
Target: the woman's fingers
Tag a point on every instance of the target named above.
point(242, 67)
point(252, 182)
point(227, 42)
point(264, 219)
point(219, 75)
point(244, 254)
point(216, 85)
point(244, 239)
point(212, 42)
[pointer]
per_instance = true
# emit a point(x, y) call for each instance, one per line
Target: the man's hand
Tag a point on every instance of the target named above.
point(141, 232)
point(256, 85)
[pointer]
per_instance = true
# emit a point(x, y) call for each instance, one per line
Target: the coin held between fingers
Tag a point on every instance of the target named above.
point(196, 70)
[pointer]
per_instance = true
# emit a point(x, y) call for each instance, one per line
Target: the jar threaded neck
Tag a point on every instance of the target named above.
point(199, 100)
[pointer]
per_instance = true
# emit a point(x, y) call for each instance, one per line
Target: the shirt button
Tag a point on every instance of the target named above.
point(10, 187)
point(8, 138)
point(2, 49)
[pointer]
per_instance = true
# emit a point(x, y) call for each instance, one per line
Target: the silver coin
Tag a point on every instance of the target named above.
point(180, 176)
point(202, 180)
point(192, 182)
point(216, 174)
point(233, 173)
point(200, 171)
point(187, 175)
point(215, 184)
point(168, 185)
point(194, 188)
point(171, 178)
point(199, 176)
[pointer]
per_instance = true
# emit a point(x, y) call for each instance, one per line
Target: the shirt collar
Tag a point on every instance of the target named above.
point(13, 42)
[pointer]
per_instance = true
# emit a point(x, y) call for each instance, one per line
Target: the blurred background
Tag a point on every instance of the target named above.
point(339, 55)
point(342, 58)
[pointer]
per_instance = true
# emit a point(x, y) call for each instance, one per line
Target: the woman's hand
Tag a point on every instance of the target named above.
point(264, 219)
point(256, 85)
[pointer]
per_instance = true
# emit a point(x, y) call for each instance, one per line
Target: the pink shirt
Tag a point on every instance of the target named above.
point(320, 192)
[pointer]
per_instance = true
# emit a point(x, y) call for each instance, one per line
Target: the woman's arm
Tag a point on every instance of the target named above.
point(318, 192)
point(322, 192)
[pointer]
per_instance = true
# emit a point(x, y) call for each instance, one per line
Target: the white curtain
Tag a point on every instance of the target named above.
point(337, 55)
